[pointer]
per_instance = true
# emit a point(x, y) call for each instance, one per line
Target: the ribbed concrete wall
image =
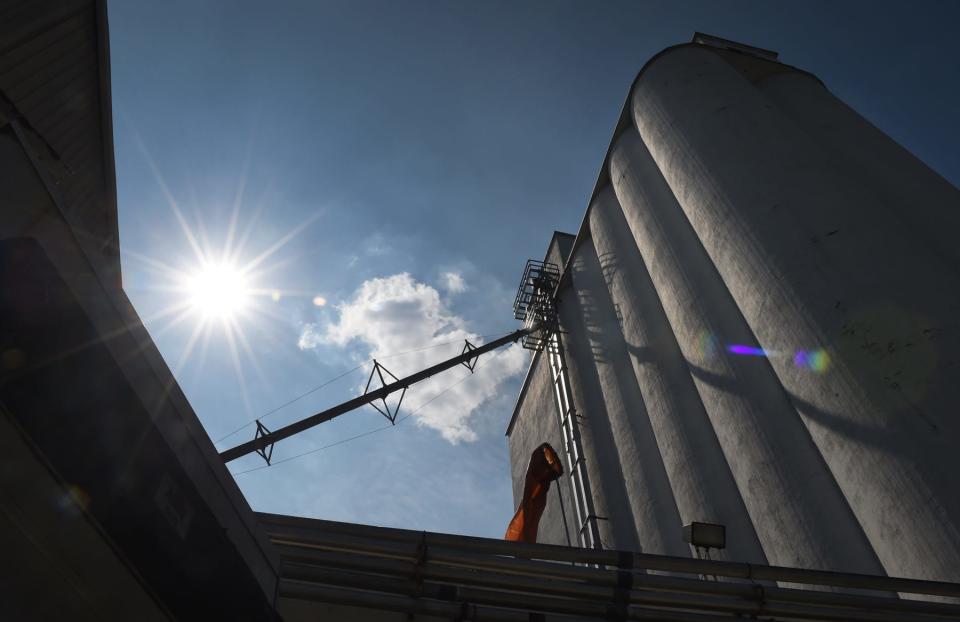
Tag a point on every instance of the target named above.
point(743, 205)
point(814, 261)
point(607, 477)
point(703, 486)
point(535, 421)
point(648, 493)
point(925, 204)
point(782, 479)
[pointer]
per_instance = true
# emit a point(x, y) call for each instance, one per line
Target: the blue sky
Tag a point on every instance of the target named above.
point(421, 152)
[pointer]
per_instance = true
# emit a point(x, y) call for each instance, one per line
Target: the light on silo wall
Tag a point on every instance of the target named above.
point(705, 535)
point(814, 360)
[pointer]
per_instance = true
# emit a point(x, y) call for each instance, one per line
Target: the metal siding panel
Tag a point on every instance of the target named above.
point(78, 141)
point(36, 44)
point(88, 415)
point(78, 197)
point(51, 73)
point(85, 207)
point(62, 121)
point(60, 92)
point(31, 64)
point(22, 23)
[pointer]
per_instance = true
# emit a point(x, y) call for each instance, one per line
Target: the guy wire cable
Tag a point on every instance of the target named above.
point(332, 380)
point(369, 432)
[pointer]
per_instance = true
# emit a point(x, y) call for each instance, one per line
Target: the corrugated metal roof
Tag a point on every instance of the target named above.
point(54, 71)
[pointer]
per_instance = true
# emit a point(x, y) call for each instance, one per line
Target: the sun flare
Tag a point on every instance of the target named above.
point(218, 291)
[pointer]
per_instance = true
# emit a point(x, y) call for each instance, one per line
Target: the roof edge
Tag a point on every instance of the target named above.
point(625, 119)
point(106, 133)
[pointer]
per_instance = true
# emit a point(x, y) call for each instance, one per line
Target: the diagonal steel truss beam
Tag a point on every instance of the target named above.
point(263, 441)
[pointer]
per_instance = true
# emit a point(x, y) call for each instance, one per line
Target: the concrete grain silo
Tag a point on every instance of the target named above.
point(762, 310)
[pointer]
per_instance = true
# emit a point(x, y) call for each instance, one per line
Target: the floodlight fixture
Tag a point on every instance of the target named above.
point(705, 535)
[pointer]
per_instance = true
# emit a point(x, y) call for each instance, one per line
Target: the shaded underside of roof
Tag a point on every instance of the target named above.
point(141, 463)
point(55, 79)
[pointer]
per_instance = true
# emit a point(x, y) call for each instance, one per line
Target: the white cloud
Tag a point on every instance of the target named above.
point(453, 282)
point(397, 314)
point(376, 245)
point(309, 337)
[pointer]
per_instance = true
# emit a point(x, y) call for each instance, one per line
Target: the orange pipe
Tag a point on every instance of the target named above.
point(544, 467)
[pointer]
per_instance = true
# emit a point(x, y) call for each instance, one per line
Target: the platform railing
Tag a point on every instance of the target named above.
point(488, 579)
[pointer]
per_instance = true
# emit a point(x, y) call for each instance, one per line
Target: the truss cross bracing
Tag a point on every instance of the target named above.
point(378, 371)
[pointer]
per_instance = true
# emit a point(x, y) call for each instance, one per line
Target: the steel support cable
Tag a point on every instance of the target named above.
point(445, 343)
point(265, 439)
point(346, 373)
point(373, 431)
point(285, 404)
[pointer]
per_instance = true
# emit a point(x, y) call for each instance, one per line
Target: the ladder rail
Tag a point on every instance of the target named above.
point(567, 418)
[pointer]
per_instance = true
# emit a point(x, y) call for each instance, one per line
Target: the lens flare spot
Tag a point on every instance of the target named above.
point(814, 360)
point(706, 346)
point(73, 501)
point(747, 350)
point(820, 361)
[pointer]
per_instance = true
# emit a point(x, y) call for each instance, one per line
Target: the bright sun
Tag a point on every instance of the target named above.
point(218, 291)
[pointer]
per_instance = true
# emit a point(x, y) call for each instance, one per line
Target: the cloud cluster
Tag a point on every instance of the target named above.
point(396, 314)
point(453, 282)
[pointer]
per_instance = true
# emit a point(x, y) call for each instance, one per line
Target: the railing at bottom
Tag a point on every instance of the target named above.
point(441, 574)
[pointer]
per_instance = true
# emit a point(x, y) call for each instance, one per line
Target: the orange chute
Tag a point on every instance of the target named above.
point(544, 467)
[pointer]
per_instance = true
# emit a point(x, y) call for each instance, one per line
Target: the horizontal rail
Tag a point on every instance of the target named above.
point(391, 602)
point(302, 560)
point(301, 529)
point(505, 577)
point(432, 577)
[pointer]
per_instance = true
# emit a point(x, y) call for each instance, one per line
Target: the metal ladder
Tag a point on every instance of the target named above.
point(567, 417)
point(536, 306)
